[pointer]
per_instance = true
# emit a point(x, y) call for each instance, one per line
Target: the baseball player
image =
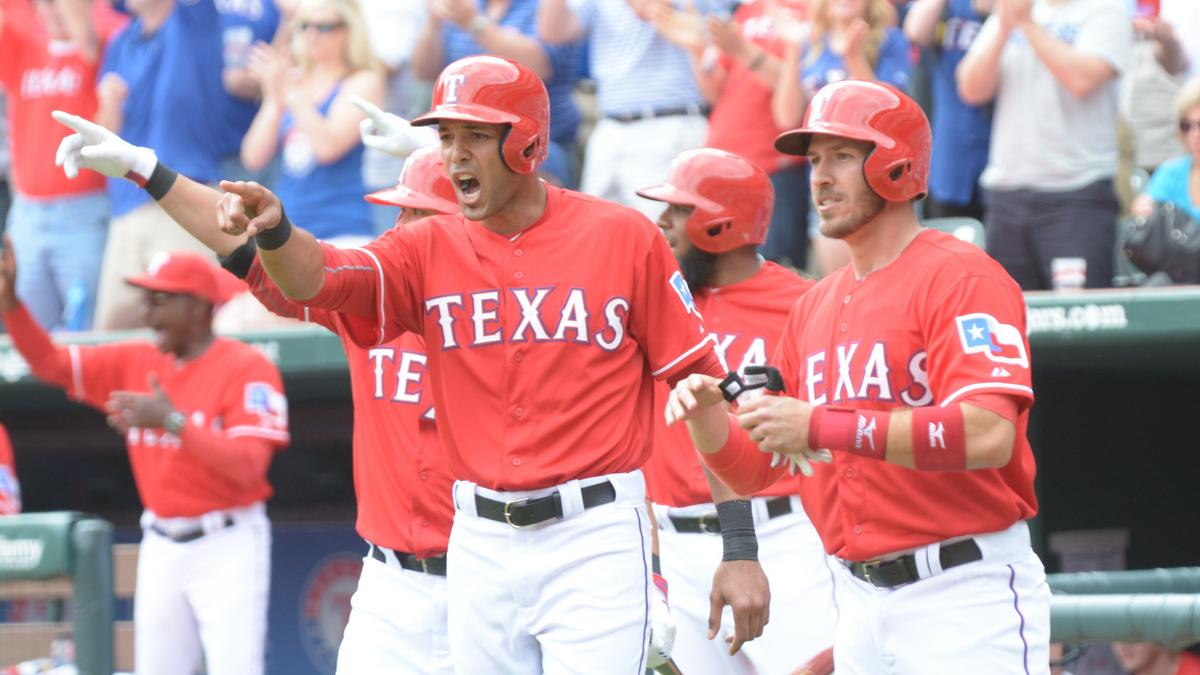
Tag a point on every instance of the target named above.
point(912, 367)
point(202, 417)
point(401, 478)
point(719, 209)
point(536, 306)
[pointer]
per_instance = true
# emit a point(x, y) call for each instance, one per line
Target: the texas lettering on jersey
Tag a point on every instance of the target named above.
point(859, 371)
point(552, 314)
point(398, 376)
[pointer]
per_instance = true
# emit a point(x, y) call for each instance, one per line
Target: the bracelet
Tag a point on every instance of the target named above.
point(737, 530)
point(238, 263)
point(757, 62)
point(174, 422)
point(160, 181)
point(276, 236)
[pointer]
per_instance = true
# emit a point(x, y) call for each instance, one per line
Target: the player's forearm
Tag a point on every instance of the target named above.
point(556, 23)
point(297, 267)
point(939, 438)
point(194, 207)
point(264, 289)
point(978, 74)
point(1078, 73)
point(47, 361)
point(242, 460)
point(738, 462)
point(717, 487)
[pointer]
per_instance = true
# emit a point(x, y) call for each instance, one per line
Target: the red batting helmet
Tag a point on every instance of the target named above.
point(423, 184)
point(898, 168)
point(493, 90)
point(732, 197)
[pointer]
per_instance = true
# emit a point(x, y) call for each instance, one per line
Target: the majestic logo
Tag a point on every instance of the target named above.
point(325, 607)
point(937, 435)
point(451, 84)
point(865, 430)
point(685, 294)
point(1000, 342)
point(1000, 371)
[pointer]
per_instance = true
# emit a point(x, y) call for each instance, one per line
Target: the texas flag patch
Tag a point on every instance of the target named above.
point(263, 400)
point(1000, 342)
point(685, 294)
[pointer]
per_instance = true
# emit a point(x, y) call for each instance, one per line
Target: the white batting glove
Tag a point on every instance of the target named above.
point(96, 148)
point(662, 626)
point(390, 133)
point(802, 462)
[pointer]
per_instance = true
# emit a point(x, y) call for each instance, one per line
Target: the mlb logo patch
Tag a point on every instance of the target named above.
point(270, 405)
point(685, 294)
point(1000, 342)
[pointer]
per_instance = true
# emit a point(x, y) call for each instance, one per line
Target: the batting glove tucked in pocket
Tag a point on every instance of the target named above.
point(662, 626)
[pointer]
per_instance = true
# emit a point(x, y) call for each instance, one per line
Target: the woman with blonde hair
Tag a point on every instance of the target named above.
point(308, 120)
point(1178, 180)
point(843, 40)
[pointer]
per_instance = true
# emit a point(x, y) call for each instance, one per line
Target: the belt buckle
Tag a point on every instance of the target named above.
point(866, 568)
point(508, 514)
point(424, 565)
point(703, 522)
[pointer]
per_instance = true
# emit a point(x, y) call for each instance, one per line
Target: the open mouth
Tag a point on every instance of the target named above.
point(826, 203)
point(468, 188)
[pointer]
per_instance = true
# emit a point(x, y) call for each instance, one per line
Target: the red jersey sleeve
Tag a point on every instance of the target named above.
point(377, 288)
point(976, 343)
point(257, 408)
point(17, 44)
point(265, 290)
point(97, 371)
point(664, 318)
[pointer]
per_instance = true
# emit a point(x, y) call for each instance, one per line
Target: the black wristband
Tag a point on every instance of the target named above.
point(737, 530)
point(276, 236)
point(160, 181)
point(238, 263)
point(758, 60)
point(655, 564)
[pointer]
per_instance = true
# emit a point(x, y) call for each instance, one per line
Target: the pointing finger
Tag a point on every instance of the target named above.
point(372, 111)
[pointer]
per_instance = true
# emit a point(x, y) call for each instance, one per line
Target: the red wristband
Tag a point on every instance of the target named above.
point(860, 432)
point(939, 440)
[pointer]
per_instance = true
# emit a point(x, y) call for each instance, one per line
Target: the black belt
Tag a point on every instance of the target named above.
point(435, 565)
point(190, 535)
point(660, 112)
point(903, 570)
point(526, 512)
point(709, 523)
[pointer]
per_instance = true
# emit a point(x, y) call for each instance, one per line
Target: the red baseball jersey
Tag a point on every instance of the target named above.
point(744, 320)
point(543, 345)
point(401, 477)
point(231, 387)
point(10, 489)
point(941, 323)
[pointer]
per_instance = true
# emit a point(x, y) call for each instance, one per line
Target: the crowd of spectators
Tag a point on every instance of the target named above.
point(1044, 113)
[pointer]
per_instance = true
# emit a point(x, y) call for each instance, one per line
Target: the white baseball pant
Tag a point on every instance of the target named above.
point(204, 597)
point(397, 623)
point(565, 596)
point(988, 617)
point(803, 613)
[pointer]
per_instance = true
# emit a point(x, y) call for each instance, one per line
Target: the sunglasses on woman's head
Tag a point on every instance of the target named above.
point(321, 27)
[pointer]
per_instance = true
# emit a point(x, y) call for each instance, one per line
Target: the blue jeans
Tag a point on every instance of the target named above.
point(787, 240)
point(59, 245)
